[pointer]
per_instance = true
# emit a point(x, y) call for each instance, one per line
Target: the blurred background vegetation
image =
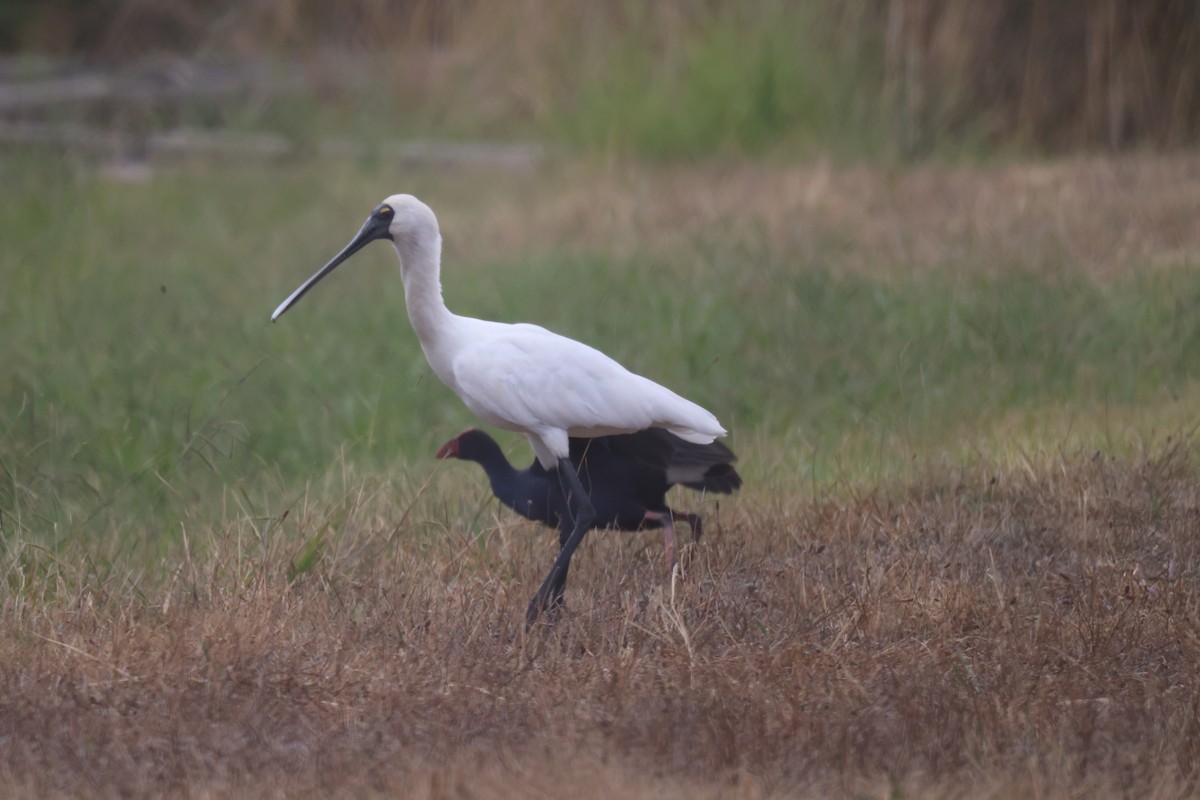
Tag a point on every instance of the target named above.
point(671, 79)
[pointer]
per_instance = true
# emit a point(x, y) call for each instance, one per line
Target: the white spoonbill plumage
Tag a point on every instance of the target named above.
point(519, 377)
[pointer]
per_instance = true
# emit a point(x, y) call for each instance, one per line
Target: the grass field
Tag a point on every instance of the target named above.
point(963, 564)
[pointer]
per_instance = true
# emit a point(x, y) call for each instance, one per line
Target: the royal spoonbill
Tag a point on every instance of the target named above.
point(626, 478)
point(519, 377)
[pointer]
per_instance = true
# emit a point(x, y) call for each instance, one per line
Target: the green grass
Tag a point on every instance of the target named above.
point(144, 388)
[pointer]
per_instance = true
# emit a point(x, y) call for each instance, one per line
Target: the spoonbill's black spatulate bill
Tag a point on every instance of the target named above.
point(626, 478)
point(519, 377)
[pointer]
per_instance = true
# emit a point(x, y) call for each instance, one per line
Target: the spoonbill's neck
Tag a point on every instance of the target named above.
point(436, 327)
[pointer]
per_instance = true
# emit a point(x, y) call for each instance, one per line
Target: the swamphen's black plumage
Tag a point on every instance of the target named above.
point(626, 476)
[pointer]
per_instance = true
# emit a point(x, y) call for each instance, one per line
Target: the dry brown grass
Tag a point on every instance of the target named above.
point(1059, 74)
point(1102, 217)
point(1023, 633)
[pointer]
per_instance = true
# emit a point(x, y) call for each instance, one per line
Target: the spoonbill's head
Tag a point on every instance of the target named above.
point(402, 219)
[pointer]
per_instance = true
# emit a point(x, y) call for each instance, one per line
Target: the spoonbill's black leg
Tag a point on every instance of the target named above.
point(580, 507)
point(556, 592)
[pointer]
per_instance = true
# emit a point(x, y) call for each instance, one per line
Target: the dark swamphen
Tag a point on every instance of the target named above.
point(626, 476)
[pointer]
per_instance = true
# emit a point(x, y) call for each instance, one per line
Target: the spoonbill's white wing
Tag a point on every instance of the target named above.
point(526, 378)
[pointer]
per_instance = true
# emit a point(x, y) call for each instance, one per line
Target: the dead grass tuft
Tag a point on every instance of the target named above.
point(1030, 631)
point(1105, 218)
